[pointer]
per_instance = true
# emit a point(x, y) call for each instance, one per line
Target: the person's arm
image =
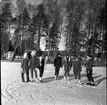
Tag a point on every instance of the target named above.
point(61, 63)
point(55, 62)
point(74, 68)
point(80, 66)
point(45, 62)
point(22, 63)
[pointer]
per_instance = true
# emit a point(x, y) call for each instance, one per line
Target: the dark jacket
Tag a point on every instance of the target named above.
point(77, 66)
point(58, 62)
point(25, 64)
point(89, 64)
point(34, 62)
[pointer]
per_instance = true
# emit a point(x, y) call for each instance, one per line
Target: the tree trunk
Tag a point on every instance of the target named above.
point(93, 40)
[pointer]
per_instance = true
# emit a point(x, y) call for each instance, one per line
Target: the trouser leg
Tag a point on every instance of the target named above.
point(57, 71)
point(65, 73)
point(75, 75)
point(22, 75)
point(41, 71)
point(35, 73)
point(32, 73)
point(79, 76)
point(68, 73)
point(27, 74)
point(88, 76)
point(91, 77)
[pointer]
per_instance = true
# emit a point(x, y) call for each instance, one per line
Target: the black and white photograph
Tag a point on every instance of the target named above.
point(53, 52)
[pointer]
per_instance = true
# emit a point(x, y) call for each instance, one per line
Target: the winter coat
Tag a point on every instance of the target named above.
point(25, 64)
point(77, 67)
point(34, 62)
point(89, 65)
point(67, 64)
point(58, 62)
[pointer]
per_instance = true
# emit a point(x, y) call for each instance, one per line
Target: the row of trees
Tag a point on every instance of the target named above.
point(86, 26)
point(80, 22)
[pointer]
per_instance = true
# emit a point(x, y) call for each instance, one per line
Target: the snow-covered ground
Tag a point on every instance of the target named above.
point(50, 92)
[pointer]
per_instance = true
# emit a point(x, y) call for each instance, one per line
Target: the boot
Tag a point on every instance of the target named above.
point(40, 79)
point(92, 83)
point(68, 78)
point(55, 77)
point(65, 78)
point(79, 82)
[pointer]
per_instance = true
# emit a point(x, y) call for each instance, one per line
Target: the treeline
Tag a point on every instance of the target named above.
point(81, 22)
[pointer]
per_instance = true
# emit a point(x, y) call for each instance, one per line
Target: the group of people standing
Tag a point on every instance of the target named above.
point(35, 63)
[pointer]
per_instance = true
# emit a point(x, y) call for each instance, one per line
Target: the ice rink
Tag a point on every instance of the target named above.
point(50, 91)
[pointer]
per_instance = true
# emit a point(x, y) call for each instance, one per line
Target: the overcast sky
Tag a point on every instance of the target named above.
point(34, 1)
point(31, 1)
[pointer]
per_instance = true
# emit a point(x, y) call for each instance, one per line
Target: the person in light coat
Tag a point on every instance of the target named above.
point(34, 65)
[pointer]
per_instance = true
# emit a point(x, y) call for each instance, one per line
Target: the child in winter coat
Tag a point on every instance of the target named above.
point(77, 68)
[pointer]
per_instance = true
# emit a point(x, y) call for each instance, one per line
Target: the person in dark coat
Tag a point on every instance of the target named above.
point(57, 65)
point(34, 65)
point(89, 66)
point(67, 67)
point(77, 68)
point(25, 67)
point(41, 67)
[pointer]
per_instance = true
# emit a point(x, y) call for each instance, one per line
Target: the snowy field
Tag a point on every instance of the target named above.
point(51, 92)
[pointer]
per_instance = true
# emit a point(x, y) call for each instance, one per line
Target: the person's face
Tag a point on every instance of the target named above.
point(58, 55)
point(76, 59)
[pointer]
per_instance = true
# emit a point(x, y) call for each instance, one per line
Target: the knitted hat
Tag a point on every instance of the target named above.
point(25, 55)
point(33, 53)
